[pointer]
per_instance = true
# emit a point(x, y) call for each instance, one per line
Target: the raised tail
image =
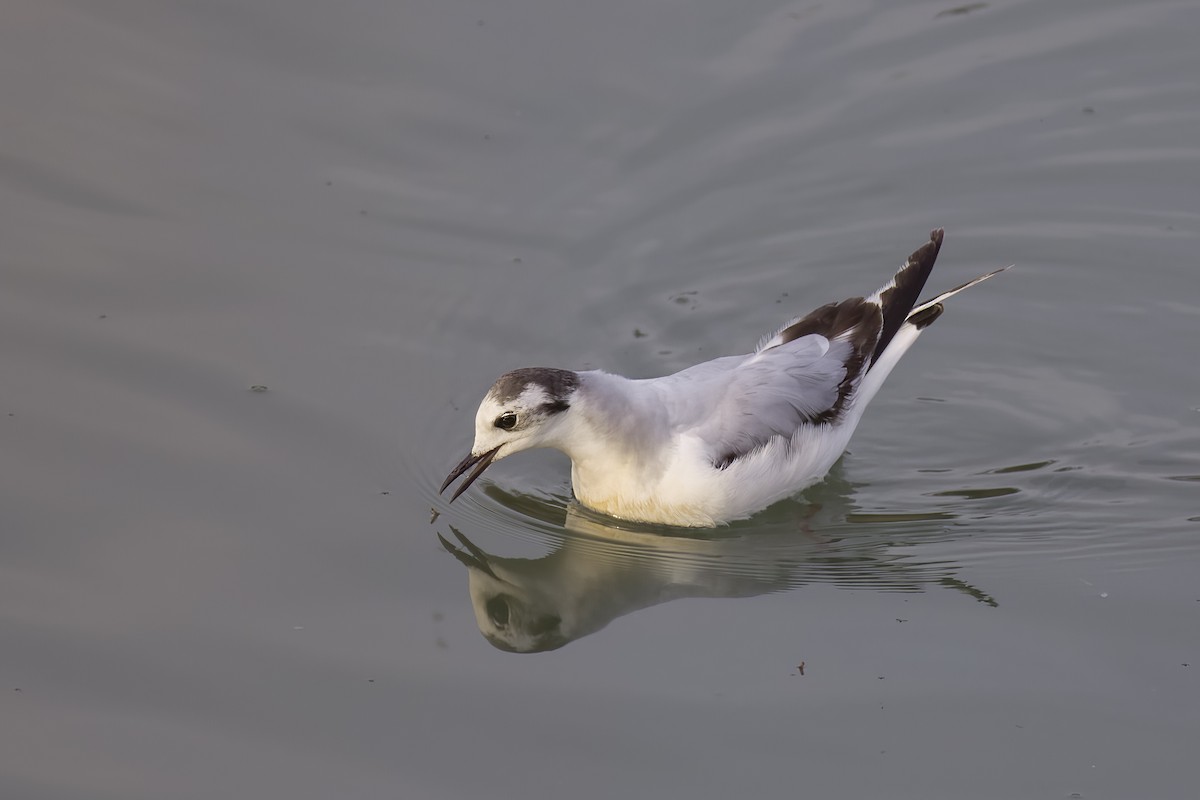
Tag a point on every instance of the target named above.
point(913, 319)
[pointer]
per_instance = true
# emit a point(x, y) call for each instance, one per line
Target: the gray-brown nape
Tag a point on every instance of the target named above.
point(899, 299)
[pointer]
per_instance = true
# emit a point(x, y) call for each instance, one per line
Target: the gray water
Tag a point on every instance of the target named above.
point(368, 210)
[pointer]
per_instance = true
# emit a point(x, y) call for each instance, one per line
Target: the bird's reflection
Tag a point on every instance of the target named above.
point(598, 570)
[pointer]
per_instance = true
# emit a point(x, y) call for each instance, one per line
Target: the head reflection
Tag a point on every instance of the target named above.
point(598, 570)
point(518, 602)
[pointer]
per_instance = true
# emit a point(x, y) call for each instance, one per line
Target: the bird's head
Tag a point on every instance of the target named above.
point(521, 411)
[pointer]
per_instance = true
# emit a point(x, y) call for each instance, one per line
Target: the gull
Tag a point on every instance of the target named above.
point(723, 439)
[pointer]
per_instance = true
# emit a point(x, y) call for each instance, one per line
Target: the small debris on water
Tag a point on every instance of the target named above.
point(258, 387)
point(433, 515)
point(1104, 594)
point(638, 333)
point(958, 10)
point(684, 299)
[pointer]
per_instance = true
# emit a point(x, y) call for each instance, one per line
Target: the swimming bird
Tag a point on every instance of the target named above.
point(722, 439)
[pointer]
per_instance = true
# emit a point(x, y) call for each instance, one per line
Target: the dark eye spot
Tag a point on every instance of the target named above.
point(497, 610)
point(506, 421)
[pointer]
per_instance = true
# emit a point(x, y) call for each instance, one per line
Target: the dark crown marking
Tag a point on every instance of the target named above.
point(558, 384)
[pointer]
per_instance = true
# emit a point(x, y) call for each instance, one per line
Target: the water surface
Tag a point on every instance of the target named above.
point(369, 210)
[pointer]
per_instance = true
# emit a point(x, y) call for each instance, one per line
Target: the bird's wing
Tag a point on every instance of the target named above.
point(803, 375)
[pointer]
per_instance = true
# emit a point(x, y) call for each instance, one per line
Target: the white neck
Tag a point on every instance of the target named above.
point(618, 438)
point(614, 418)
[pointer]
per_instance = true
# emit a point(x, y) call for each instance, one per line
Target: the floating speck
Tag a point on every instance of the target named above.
point(638, 333)
point(433, 515)
point(959, 10)
point(258, 387)
point(1104, 594)
point(684, 298)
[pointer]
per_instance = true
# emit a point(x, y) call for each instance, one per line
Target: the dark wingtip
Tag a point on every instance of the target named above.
point(907, 284)
point(925, 255)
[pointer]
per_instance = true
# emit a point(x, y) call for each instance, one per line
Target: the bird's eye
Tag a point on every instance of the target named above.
point(506, 421)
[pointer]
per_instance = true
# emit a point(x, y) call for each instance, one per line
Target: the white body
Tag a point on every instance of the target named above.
point(637, 448)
